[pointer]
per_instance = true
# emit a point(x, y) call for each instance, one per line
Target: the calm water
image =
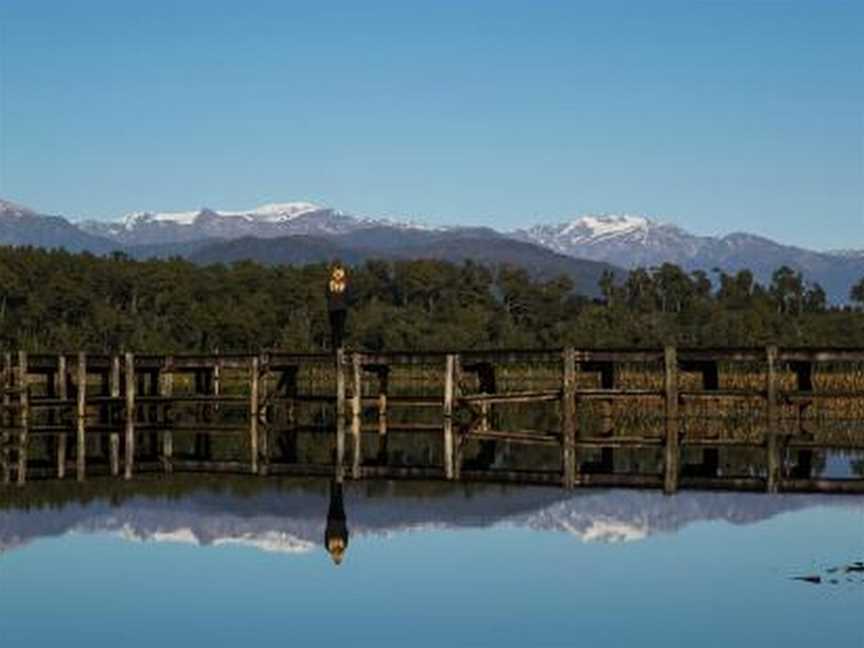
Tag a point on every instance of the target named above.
point(187, 563)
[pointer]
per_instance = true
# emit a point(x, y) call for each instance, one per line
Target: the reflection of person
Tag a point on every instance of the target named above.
point(337, 304)
point(336, 533)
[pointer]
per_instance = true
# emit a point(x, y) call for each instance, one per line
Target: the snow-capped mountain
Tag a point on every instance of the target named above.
point(636, 241)
point(582, 248)
point(266, 221)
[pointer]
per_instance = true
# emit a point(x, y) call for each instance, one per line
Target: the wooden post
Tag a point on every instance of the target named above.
point(114, 437)
point(6, 417)
point(130, 415)
point(568, 418)
point(24, 401)
point(166, 389)
point(253, 415)
point(486, 377)
point(773, 446)
point(217, 382)
point(672, 454)
point(340, 414)
point(449, 384)
point(383, 384)
point(63, 392)
point(81, 419)
point(356, 415)
point(383, 373)
point(457, 440)
point(264, 431)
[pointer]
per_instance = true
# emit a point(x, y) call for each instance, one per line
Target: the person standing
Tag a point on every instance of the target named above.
point(337, 304)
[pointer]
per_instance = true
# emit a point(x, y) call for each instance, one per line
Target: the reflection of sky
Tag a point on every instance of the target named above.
point(709, 584)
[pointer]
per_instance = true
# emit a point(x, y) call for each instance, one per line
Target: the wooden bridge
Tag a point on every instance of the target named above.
point(79, 414)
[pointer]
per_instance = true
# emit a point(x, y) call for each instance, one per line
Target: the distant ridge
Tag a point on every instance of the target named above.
point(622, 241)
point(636, 241)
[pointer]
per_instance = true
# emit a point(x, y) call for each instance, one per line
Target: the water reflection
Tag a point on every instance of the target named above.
point(336, 534)
point(291, 516)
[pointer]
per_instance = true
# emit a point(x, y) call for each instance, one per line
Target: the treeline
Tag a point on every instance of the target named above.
point(53, 300)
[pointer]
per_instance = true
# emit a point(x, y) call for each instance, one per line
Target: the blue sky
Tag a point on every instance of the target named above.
point(717, 116)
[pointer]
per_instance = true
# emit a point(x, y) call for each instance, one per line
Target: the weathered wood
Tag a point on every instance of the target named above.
point(524, 437)
point(81, 418)
point(458, 439)
point(672, 448)
point(383, 388)
point(217, 376)
point(152, 402)
point(262, 414)
point(6, 418)
point(449, 390)
point(620, 442)
point(166, 390)
point(568, 418)
point(400, 401)
point(63, 394)
point(536, 396)
point(340, 414)
point(129, 361)
point(24, 413)
point(114, 437)
point(773, 442)
point(253, 415)
point(611, 394)
point(403, 426)
point(356, 415)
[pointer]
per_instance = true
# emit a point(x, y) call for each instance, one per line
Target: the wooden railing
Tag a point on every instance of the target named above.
point(101, 409)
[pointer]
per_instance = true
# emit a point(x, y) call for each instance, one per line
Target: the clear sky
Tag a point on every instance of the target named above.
point(715, 116)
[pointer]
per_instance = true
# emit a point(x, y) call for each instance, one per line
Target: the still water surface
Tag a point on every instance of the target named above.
point(190, 563)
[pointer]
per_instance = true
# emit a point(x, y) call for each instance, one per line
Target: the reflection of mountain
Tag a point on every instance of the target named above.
point(292, 521)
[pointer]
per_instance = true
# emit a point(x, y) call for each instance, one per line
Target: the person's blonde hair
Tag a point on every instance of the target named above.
point(337, 280)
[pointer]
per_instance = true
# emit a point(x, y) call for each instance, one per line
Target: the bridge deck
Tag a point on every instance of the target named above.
point(122, 414)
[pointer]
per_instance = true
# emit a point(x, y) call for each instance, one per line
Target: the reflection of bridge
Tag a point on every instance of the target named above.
point(649, 418)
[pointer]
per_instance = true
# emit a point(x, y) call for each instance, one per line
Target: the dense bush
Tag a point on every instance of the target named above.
point(53, 300)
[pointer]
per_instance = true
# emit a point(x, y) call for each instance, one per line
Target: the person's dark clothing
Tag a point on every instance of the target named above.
point(337, 327)
point(337, 305)
point(337, 301)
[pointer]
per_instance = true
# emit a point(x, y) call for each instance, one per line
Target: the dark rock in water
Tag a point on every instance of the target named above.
point(808, 579)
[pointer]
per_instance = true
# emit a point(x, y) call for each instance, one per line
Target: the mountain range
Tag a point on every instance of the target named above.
point(301, 232)
point(293, 521)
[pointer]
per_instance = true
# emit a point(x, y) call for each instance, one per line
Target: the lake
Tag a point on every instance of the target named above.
point(222, 561)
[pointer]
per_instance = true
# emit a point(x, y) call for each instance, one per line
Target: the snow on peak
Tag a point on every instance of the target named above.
point(612, 531)
point(607, 225)
point(180, 218)
point(270, 213)
point(268, 541)
point(404, 224)
point(292, 208)
point(11, 209)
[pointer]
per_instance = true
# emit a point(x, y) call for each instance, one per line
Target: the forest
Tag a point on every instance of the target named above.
point(52, 300)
